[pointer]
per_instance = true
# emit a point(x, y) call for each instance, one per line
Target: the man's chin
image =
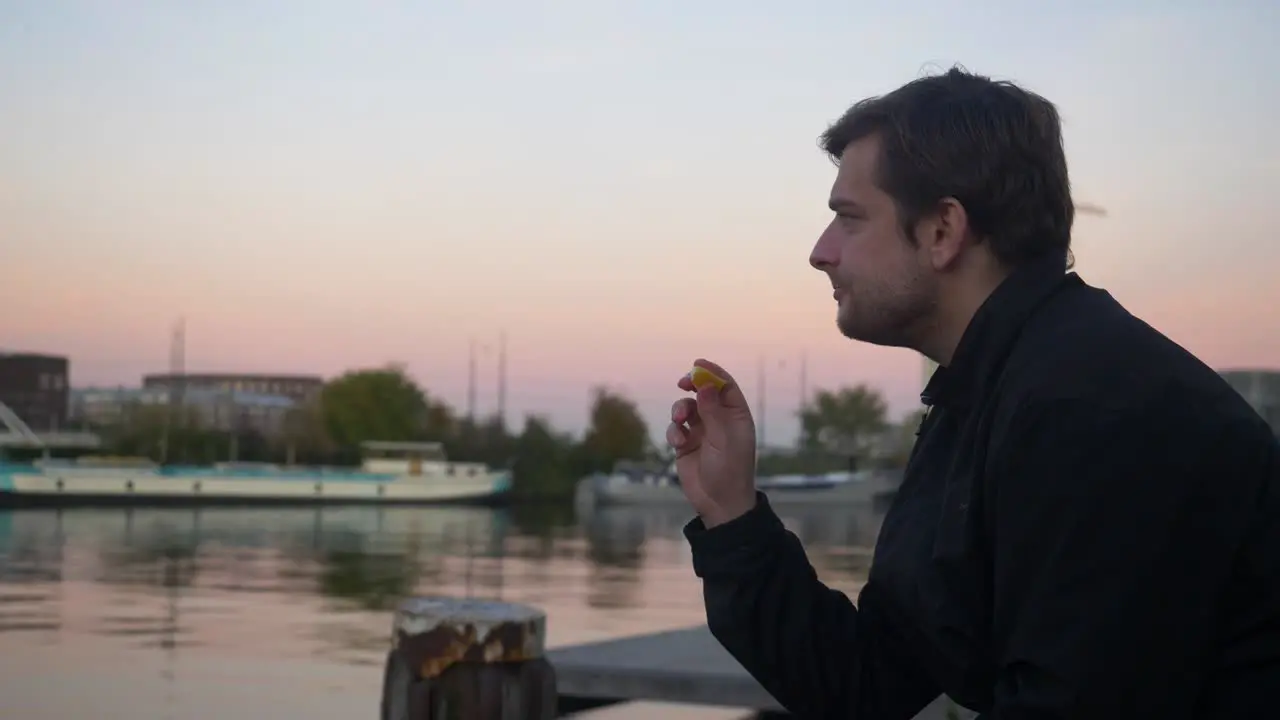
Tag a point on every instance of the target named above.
point(850, 328)
point(864, 332)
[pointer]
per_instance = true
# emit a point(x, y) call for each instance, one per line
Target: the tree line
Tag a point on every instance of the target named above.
point(386, 404)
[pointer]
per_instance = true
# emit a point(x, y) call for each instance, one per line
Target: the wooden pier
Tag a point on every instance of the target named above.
point(687, 667)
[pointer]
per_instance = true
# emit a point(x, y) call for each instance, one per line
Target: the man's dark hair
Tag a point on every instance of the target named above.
point(994, 147)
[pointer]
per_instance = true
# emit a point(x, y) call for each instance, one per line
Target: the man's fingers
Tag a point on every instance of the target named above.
point(685, 412)
point(677, 436)
point(686, 429)
point(685, 383)
point(684, 440)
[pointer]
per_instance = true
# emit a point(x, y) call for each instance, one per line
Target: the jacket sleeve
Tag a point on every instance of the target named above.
point(805, 643)
point(1113, 533)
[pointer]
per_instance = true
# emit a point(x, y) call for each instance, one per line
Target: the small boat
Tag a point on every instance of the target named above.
point(637, 484)
point(403, 473)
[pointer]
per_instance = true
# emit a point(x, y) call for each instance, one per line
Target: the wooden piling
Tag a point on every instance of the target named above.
point(463, 659)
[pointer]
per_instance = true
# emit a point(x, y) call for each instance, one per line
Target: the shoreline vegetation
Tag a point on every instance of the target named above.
point(840, 429)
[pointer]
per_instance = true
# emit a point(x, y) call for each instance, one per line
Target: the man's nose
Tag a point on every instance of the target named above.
point(826, 252)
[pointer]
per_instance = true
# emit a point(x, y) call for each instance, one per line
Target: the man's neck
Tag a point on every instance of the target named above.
point(956, 308)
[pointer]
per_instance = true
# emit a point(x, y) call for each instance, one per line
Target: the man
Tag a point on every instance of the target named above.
point(1089, 524)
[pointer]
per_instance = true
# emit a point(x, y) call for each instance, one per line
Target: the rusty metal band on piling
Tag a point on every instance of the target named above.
point(480, 658)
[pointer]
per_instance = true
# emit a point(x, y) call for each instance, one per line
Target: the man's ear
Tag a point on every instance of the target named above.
point(942, 234)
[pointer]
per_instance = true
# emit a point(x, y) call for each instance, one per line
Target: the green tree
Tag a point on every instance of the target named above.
point(902, 438)
point(616, 432)
point(173, 434)
point(383, 404)
point(848, 421)
point(486, 441)
point(497, 445)
point(441, 425)
point(303, 437)
point(137, 433)
point(543, 461)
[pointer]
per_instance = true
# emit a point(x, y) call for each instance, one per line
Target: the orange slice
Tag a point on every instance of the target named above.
point(701, 377)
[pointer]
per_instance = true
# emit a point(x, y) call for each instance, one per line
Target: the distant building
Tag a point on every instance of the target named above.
point(104, 407)
point(302, 389)
point(1261, 388)
point(214, 409)
point(34, 387)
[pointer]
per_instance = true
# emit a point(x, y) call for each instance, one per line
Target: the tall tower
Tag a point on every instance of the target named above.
point(178, 361)
point(177, 383)
point(471, 382)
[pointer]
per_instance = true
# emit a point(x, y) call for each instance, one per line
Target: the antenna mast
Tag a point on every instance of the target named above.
point(471, 382)
point(502, 379)
point(177, 360)
point(760, 390)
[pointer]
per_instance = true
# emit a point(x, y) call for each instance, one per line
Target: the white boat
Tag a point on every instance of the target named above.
point(632, 484)
point(392, 473)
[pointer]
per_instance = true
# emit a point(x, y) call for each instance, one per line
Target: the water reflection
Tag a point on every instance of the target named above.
point(310, 590)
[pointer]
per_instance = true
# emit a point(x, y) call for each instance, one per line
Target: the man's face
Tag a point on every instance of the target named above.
point(884, 286)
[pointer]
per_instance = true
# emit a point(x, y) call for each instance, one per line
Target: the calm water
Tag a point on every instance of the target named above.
point(216, 613)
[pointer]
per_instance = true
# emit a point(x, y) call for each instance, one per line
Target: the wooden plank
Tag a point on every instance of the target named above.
point(686, 666)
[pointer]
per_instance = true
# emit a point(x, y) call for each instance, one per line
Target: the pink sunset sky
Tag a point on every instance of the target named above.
point(621, 187)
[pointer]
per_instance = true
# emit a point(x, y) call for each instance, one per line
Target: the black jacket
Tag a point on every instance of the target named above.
point(1088, 527)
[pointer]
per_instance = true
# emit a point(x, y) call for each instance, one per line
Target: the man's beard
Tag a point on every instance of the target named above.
point(891, 318)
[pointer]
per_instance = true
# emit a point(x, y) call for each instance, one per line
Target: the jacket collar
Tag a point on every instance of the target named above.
point(991, 333)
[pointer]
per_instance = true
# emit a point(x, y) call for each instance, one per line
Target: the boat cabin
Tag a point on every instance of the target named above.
point(414, 459)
